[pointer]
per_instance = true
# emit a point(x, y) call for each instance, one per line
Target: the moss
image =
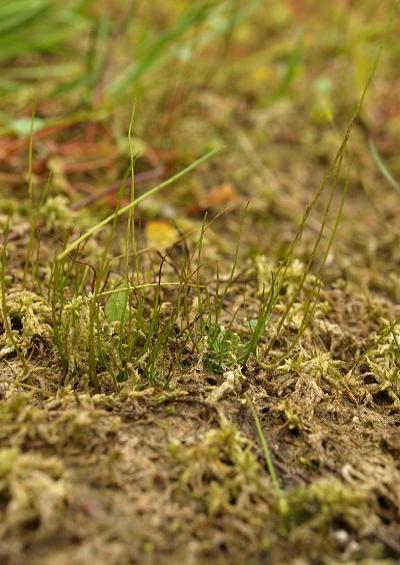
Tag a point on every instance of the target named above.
point(30, 320)
point(91, 472)
point(56, 213)
point(221, 471)
point(32, 491)
point(320, 503)
point(79, 332)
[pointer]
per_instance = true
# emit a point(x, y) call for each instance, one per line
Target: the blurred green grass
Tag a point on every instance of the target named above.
point(188, 65)
point(79, 44)
point(32, 26)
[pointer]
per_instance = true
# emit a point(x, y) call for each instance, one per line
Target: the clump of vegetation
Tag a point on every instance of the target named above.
point(383, 360)
point(198, 295)
point(34, 491)
point(80, 335)
point(29, 319)
point(221, 471)
point(318, 504)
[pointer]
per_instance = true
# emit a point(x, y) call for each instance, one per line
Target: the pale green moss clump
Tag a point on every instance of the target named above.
point(29, 320)
point(81, 332)
point(383, 360)
point(34, 490)
point(220, 470)
point(315, 505)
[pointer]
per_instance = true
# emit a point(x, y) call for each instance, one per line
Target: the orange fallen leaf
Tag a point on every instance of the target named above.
point(221, 195)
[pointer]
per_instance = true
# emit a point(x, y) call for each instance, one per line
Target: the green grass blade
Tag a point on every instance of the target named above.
point(191, 17)
point(284, 509)
point(382, 167)
point(135, 202)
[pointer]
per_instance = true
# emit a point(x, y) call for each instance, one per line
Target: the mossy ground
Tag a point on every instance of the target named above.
point(133, 438)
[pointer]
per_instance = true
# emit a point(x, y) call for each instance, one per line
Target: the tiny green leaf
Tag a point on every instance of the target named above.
point(116, 306)
point(24, 126)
